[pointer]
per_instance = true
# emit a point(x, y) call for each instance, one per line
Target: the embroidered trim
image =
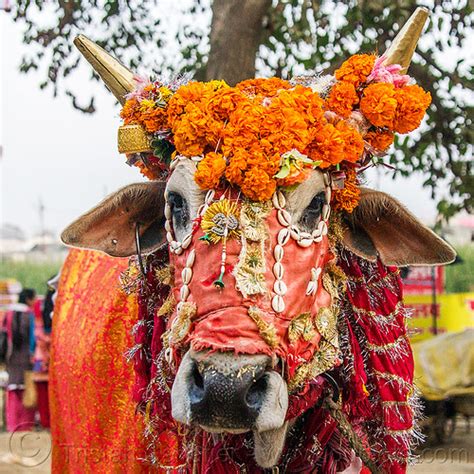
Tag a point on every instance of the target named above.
point(267, 331)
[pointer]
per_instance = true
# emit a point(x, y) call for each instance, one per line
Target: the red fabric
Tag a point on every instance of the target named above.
point(43, 403)
point(18, 418)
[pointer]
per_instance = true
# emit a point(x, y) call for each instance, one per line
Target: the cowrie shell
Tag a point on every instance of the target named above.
point(167, 226)
point(295, 232)
point(278, 304)
point(184, 292)
point(280, 288)
point(311, 288)
point(283, 236)
point(305, 242)
point(318, 239)
point(315, 272)
point(178, 250)
point(197, 159)
point(186, 275)
point(324, 228)
point(168, 211)
point(169, 238)
point(284, 217)
point(316, 233)
point(326, 212)
point(278, 253)
point(279, 200)
point(187, 241)
point(278, 270)
point(191, 258)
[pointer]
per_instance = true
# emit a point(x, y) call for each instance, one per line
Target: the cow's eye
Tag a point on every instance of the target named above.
point(179, 211)
point(312, 214)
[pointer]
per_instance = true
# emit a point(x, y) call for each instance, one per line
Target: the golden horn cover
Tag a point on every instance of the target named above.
point(117, 78)
point(404, 44)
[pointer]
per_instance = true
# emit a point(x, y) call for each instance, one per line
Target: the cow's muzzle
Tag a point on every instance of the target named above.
point(228, 392)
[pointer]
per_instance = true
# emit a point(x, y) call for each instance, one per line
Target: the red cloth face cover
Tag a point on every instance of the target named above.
point(221, 320)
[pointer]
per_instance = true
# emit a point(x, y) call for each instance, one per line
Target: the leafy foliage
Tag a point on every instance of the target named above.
point(460, 276)
point(299, 35)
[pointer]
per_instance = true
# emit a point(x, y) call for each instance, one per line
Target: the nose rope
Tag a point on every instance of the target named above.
point(335, 409)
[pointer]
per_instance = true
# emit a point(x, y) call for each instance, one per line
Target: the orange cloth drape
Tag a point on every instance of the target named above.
point(93, 422)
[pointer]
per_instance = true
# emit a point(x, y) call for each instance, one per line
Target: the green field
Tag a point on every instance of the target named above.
point(30, 273)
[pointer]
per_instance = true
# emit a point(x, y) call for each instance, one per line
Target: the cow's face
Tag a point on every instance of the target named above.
point(248, 305)
point(254, 319)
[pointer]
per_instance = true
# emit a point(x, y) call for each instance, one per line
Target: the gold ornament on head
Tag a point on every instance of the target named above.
point(403, 46)
point(118, 79)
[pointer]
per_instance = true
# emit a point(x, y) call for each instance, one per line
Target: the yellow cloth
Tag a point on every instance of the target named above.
point(444, 365)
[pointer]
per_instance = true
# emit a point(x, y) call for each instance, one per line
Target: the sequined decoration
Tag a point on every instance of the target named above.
point(250, 271)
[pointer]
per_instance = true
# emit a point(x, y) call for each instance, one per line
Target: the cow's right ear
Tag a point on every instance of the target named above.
point(110, 226)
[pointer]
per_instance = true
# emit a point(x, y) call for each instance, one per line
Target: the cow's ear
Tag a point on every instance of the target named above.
point(380, 226)
point(110, 226)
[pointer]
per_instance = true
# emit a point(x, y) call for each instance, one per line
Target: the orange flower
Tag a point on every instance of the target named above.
point(342, 98)
point(347, 198)
point(356, 69)
point(379, 104)
point(236, 168)
point(263, 87)
point(380, 140)
point(258, 185)
point(353, 142)
point(412, 104)
point(328, 146)
point(210, 170)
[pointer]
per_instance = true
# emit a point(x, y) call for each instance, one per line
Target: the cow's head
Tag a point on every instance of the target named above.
point(254, 280)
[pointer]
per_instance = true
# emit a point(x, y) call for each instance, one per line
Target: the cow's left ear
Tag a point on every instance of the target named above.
point(110, 226)
point(380, 226)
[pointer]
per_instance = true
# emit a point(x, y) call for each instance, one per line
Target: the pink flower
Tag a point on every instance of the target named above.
point(141, 82)
point(391, 73)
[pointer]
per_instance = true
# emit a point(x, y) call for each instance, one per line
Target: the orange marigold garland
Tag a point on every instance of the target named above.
point(265, 133)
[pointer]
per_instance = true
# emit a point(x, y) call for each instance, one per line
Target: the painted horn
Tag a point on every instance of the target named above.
point(117, 78)
point(403, 46)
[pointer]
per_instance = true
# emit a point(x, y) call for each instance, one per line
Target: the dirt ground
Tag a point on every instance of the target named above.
point(29, 453)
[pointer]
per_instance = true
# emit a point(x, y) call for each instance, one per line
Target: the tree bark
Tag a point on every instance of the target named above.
point(236, 33)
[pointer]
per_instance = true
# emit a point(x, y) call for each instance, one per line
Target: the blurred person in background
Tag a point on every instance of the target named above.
point(42, 334)
point(19, 324)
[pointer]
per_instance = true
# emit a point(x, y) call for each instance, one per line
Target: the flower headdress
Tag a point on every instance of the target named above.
point(268, 133)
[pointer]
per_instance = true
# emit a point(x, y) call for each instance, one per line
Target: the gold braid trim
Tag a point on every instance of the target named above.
point(182, 324)
point(392, 377)
point(373, 314)
point(168, 306)
point(387, 347)
point(301, 327)
point(165, 275)
point(267, 331)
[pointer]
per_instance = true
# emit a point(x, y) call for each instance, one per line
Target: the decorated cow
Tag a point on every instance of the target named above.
point(271, 329)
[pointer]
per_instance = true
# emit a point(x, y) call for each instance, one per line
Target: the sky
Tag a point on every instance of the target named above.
point(68, 160)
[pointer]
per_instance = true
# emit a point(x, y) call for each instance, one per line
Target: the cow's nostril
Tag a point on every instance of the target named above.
point(256, 393)
point(196, 392)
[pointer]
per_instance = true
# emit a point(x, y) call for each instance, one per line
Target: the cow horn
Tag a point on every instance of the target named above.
point(118, 79)
point(403, 46)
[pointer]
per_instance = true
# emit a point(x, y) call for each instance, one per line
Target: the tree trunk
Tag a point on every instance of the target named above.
point(236, 33)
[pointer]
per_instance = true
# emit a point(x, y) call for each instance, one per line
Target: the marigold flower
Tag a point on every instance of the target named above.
point(356, 69)
point(379, 104)
point(352, 140)
point(380, 140)
point(210, 170)
point(258, 185)
point(412, 104)
point(342, 98)
point(348, 197)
